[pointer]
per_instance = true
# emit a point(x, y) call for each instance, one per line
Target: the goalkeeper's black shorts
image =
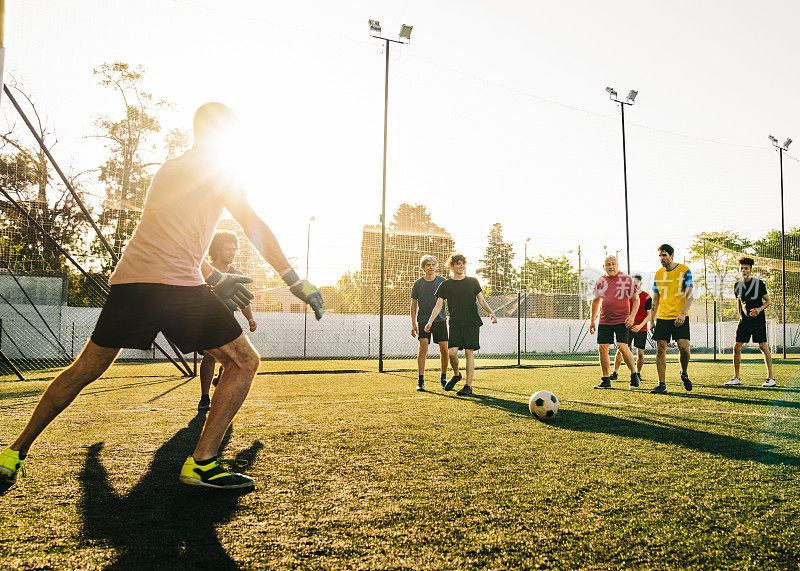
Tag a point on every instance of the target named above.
point(192, 317)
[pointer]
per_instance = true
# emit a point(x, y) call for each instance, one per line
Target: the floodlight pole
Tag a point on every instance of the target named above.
point(781, 149)
point(383, 193)
point(613, 97)
point(305, 308)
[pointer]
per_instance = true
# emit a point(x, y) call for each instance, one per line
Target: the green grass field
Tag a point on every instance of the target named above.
point(358, 470)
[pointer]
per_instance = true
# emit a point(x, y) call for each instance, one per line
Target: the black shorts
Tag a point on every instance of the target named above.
point(637, 339)
point(757, 330)
point(606, 333)
point(438, 330)
point(465, 337)
point(665, 330)
point(192, 317)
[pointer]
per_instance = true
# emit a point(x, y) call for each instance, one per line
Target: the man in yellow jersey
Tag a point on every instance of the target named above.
point(672, 298)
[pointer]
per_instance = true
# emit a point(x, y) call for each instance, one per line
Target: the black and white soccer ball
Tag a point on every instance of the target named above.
point(543, 405)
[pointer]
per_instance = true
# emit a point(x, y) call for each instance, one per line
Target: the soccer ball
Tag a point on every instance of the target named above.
point(543, 405)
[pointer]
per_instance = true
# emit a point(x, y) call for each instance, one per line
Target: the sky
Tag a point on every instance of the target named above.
point(497, 112)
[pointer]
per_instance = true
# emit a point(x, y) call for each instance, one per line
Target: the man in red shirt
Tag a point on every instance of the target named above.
point(614, 290)
point(637, 335)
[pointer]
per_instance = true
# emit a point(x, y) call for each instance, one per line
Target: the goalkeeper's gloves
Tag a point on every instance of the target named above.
point(230, 290)
point(305, 291)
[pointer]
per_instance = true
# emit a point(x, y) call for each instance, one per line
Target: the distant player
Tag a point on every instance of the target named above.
point(613, 293)
point(637, 335)
point(158, 286)
point(462, 294)
point(423, 298)
point(752, 299)
point(672, 298)
point(221, 251)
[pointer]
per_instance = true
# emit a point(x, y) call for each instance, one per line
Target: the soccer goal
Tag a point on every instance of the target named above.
point(726, 336)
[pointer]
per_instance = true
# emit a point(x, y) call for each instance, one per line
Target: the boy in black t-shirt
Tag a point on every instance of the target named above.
point(752, 300)
point(461, 294)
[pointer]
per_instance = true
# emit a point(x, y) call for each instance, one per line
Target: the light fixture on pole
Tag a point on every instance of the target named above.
point(612, 94)
point(404, 37)
point(305, 312)
point(782, 149)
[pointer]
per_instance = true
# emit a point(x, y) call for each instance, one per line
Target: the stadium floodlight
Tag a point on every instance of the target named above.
point(782, 149)
point(405, 38)
point(612, 93)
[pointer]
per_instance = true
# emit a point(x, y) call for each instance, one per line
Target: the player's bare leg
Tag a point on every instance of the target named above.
point(240, 361)
point(617, 359)
point(469, 354)
point(640, 361)
point(737, 358)
point(454, 360)
point(207, 366)
point(422, 353)
point(605, 360)
point(87, 368)
point(444, 354)
point(685, 354)
point(661, 361)
point(767, 358)
point(626, 355)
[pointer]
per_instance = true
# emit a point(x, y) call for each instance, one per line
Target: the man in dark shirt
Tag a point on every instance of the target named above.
point(423, 298)
point(751, 299)
point(461, 294)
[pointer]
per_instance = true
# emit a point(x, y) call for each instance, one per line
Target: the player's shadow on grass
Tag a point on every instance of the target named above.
point(665, 433)
point(731, 398)
point(161, 523)
point(650, 429)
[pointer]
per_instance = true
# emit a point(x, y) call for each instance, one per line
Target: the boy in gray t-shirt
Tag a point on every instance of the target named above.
point(423, 298)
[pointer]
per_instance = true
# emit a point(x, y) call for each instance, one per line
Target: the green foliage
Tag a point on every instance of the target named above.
point(125, 173)
point(86, 292)
point(411, 234)
point(549, 275)
point(499, 274)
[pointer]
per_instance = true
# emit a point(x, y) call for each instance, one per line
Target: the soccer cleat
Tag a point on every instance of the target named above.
point(213, 475)
point(770, 382)
point(205, 404)
point(605, 383)
point(734, 381)
point(10, 465)
point(465, 391)
point(634, 381)
point(687, 384)
point(420, 385)
point(659, 389)
point(443, 380)
point(613, 376)
point(452, 382)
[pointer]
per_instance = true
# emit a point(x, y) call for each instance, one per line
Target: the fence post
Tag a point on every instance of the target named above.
point(519, 327)
point(715, 329)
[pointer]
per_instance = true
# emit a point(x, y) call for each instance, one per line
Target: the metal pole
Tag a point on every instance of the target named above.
point(625, 178)
point(715, 329)
point(783, 255)
point(705, 282)
point(305, 307)
point(580, 298)
point(525, 281)
point(383, 206)
point(519, 323)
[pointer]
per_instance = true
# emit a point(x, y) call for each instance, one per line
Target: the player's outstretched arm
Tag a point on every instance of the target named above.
point(267, 245)
point(482, 302)
point(436, 309)
point(593, 314)
point(228, 287)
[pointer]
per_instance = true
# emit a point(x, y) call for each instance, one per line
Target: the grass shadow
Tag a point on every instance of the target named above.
point(701, 441)
point(160, 523)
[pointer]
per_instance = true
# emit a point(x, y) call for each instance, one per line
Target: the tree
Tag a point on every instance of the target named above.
point(411, 234)
point(497, 270)
point(549, 275)
point(718, 252)
point(25, 175)
point(125, 172)
point(768, 260)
